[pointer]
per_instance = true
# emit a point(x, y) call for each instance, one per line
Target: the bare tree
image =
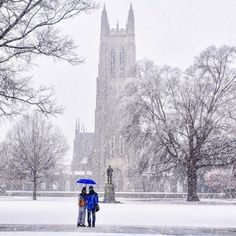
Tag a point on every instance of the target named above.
point(4, 163)
point(28, 29)
point(220, 180)
point(184, 119)
point(35, 146)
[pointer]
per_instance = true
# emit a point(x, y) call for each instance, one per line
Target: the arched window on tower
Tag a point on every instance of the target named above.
point(122, 61)
point(113, 62)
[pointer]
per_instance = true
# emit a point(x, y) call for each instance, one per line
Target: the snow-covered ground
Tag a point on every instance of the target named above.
point(66, 234)
point(22, 210)
point(63, 211)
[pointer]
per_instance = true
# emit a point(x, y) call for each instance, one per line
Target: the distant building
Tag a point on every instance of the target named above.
point(96, 151)
point(83, 144)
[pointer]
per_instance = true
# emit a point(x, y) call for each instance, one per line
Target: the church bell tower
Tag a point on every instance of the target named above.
point(117, 60)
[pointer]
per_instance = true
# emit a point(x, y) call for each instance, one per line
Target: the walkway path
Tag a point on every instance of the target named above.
point(120, 229)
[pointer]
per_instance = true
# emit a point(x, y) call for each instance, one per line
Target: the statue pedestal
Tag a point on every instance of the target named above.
point(109, 193)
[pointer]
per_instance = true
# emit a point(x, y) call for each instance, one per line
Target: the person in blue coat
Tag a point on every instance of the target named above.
point(92, 201)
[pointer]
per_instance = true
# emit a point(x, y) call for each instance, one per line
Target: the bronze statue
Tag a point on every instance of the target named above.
point(109, 175)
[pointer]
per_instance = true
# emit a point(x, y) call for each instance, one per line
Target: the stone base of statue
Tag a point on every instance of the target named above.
point(109, 194)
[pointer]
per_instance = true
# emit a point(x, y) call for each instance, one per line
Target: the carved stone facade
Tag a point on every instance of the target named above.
point(83, 144)
point(104, 147)
point(117, 60)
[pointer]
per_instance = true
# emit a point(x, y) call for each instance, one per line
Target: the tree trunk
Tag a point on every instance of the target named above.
point(192, 182)
point(173, 184)
point(35, 188)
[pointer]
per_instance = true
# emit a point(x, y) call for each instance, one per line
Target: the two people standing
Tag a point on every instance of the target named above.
point(89, 202)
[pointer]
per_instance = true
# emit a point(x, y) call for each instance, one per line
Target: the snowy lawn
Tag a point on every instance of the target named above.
point(67, 234)
point(22, 210)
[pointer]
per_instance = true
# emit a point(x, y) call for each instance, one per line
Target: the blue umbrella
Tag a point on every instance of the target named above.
point(85, 181)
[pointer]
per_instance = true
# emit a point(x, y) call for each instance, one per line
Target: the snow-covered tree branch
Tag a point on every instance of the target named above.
point(35, 147)
point(28, 29)
point(184, 119)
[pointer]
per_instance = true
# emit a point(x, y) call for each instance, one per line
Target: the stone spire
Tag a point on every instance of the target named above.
point(77, 128)
point(104, 22)
point(130, 21)
point(117, 25)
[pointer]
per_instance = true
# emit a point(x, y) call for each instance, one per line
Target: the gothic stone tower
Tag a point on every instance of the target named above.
point(83, 143)
point(117, 59)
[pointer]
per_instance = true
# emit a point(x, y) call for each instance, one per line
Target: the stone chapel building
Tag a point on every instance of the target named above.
point(117, 60)
point(96, 151)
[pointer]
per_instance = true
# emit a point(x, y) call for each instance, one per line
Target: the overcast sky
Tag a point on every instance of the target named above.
point(167, 31)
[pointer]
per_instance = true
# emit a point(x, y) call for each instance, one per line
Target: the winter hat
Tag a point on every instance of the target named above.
point(90, 187)
point(84, 189)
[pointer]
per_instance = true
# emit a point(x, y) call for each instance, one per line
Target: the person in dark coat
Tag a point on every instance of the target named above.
point(92, 201)
point(82, 208)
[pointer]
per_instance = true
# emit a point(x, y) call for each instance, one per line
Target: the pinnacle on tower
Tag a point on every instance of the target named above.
point(104, 22)
point(131, 7)
point(77, 127)
point(117, 25)
point(130, 21)
point(83, 128)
